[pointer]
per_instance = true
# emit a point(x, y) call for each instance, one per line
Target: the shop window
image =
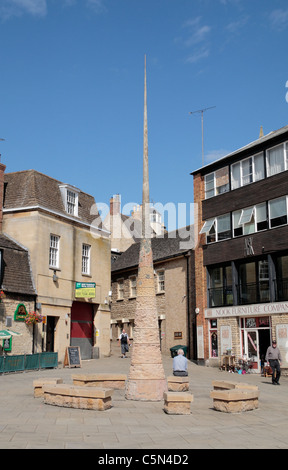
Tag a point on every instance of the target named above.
point(213, 335)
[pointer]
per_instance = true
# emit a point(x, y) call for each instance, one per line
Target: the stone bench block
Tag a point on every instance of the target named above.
point(177, 403)
point(38, 385)
point(235, 400)
point(227, 385)
point(177, 383)
point(114, 381)
point(71, 396)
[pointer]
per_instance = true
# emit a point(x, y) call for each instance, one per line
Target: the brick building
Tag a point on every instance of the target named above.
point(174, 287)
point(241, 258)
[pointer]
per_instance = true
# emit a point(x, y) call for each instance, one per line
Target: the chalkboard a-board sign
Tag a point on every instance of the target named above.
point(72, 357)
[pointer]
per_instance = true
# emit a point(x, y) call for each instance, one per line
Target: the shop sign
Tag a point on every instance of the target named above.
point(85, 290)
point(20, 313)
point(247, 310)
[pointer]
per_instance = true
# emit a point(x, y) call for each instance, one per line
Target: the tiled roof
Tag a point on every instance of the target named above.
point(172, 244)
point(30, 188)
point(17, 275)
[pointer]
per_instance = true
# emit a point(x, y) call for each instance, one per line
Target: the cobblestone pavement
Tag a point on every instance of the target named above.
point(27, 423)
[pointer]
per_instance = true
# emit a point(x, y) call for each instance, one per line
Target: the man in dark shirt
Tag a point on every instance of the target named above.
point(273, 357)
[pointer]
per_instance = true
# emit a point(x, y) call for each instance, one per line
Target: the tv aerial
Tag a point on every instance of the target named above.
point(202, 111)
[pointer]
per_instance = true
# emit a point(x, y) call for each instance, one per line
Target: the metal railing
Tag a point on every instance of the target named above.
point(22, 362)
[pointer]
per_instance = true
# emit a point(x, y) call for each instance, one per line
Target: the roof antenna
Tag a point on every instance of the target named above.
point(202, 112)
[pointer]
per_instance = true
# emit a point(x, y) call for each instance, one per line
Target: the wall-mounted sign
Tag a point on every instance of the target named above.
point(7, 344)
point(247, 310)
point(20, 313)
point(85, 290)
point(248, 247)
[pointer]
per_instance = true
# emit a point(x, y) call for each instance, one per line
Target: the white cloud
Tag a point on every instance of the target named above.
point(39, 8)
point(213, 155)
point(195, 38)
point(10, 8)
point(279, 19)
point(197, 32)
point(96, 5)
point(198, 55)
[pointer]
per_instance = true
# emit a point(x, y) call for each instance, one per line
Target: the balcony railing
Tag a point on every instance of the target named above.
point(253, 293)
point(248, 293)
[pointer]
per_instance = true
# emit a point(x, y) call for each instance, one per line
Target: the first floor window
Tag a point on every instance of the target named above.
point(86, 259)
point(54, 251)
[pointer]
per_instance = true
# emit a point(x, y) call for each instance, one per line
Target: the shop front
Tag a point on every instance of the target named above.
point(241, 335)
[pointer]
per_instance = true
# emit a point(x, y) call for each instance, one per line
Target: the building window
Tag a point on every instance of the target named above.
point(250, 220)
point(217, 229)
point(253, 282)
point(161, 281)
point(86, 259)
point(282, 278)
point(71, 202)
point(247, 171)
point(277, 159)
point(120, 285)
point(133, 286)
point(70, 199)
point(220, 286)
point(217, 182)
point(278, 212)
point(54, 251)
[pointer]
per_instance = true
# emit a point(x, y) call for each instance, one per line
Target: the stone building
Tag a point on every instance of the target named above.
point(70, 260)
point(241, 257)
point(127, 229)
point(18, 295)
point(173, 260)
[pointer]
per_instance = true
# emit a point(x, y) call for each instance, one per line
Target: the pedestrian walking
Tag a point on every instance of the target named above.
point(274, 359)
point(124, 341)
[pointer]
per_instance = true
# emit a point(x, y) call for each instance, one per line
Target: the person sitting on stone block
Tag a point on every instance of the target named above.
point(180, 364)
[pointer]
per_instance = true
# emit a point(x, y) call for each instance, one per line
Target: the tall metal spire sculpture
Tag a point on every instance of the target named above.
point(146, 379)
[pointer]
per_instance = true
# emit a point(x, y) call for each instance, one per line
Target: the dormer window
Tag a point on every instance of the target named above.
point(70, 199)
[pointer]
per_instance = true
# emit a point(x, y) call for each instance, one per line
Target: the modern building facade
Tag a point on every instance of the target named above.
point(241, 258)
point(70, 260)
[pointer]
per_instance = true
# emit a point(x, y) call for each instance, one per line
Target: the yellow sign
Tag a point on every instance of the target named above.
point(85, 290)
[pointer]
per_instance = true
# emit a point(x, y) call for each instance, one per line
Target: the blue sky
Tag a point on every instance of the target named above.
point(71, 94)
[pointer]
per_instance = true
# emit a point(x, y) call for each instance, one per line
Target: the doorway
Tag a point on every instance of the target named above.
point(256, 334)
point(82, 328)
point(50, 333)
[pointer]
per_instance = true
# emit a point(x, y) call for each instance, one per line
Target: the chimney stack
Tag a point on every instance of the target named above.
point(115, 204)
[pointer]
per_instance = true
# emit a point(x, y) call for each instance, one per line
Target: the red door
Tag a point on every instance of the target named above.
point(82, 328)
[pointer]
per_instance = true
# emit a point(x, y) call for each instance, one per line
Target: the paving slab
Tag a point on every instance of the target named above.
point(28, 423)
